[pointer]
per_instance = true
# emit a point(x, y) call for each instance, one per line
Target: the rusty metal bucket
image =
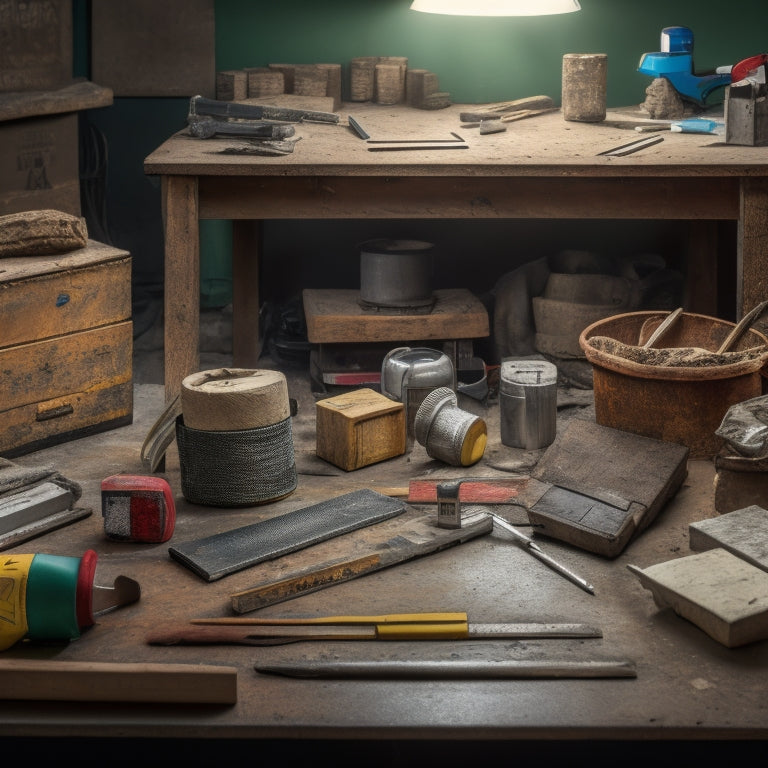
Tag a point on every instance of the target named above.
point(683, 404)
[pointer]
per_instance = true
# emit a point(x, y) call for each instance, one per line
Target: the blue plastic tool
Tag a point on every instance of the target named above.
point(695, 125)
point(675, 62)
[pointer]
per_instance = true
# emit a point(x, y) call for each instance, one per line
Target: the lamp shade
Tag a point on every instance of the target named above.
point(496, 7)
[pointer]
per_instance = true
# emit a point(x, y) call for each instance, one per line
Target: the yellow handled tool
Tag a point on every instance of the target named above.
point(389, 618)
point(408, 626)
point(395, 626)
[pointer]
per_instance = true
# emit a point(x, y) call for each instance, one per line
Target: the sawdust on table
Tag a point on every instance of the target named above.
point(678, 357)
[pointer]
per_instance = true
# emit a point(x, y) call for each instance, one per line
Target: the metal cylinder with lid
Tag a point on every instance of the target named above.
point(396, 273)
point(528, 403)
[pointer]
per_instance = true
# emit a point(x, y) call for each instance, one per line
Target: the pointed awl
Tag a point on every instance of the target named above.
point(537, 552)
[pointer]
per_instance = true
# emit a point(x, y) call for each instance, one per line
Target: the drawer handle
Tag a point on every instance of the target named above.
point(55, 413)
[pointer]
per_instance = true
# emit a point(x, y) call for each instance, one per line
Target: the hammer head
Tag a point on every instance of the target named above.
point(448, 505)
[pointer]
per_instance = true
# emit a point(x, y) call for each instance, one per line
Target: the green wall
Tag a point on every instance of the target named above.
point(476, 60)
point(485, 59)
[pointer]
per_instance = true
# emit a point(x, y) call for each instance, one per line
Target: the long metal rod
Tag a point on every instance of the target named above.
point(450, 670)
point(537, 552)
point(456, 138)
point(633, 146)
point(407, 147)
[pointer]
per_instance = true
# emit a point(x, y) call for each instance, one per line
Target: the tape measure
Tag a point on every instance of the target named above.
point(137, 508)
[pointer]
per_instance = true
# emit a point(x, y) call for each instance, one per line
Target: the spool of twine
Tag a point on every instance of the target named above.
point(226, 399)
point(234, 437)
point(584, 87)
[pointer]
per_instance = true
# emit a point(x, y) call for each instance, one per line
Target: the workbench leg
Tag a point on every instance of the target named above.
point(752, 270)
point(182, 281)
point(701, 268)
point(246, 243)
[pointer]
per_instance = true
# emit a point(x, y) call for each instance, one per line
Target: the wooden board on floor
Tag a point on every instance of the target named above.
point(57, 680)
point(337, 316)
point(410, 535)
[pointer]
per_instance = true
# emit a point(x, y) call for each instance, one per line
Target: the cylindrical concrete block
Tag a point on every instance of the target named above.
point(361, 76)
point(584, 87)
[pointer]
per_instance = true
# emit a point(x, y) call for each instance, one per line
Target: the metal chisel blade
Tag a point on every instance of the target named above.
point(531, 630)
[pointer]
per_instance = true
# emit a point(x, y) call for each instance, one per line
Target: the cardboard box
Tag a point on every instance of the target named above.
point(66, 347)
point(358, 428)
point(39, 166)
point(36, 52)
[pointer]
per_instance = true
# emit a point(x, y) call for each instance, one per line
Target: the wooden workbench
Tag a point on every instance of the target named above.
point(540, 168)
point(688, 688)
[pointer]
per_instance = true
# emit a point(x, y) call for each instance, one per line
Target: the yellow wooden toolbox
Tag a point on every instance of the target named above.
point(66, 346)
point(358, 428)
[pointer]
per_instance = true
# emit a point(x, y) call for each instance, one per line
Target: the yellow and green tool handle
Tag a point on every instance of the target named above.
point(45, 597)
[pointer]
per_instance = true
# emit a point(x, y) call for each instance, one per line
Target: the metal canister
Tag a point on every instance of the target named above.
point(408, 374)
point(528, 403)
point(396, 273)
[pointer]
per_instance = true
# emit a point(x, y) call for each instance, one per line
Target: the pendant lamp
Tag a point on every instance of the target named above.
point(496, 7)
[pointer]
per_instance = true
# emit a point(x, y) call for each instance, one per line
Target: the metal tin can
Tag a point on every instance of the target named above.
point(528, 403)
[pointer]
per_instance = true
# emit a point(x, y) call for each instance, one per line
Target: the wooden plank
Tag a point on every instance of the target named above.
point(408, 194)
point(246, 333)
point(76, 96)
point(182, 282)
point(480, 490)
point(359, 553)
point(117, 681)
point(336, 316)
point(752, 280)
point(701, 280)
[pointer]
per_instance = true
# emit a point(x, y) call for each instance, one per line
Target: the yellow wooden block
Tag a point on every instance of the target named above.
point(359, 428)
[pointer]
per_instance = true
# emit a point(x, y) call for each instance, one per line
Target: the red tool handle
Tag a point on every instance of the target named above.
point(743, 68)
